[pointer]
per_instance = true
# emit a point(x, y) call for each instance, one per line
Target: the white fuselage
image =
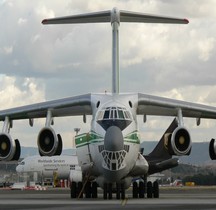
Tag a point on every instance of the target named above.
point(110, 150)
point(47, 166)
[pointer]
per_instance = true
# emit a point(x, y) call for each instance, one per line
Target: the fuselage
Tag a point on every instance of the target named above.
point(47, 166)
point(111, 149)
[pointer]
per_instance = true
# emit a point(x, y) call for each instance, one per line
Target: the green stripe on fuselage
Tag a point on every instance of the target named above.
point(93, 137)
point(87, 138)
point(132, 138)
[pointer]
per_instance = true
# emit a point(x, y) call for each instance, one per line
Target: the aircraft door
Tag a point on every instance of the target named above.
point(83, 152)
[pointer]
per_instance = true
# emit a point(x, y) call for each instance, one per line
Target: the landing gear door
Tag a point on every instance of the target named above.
point(82, 148)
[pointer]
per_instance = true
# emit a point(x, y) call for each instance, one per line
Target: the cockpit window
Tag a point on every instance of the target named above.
point(106, 114)
point(114, 116)
point(127, 115)
point(121, 115)
point(114, 113)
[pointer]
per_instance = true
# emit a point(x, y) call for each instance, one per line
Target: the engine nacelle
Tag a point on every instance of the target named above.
point(49, 143)
point(212, 149)
point(178, 142)
point(9, 148)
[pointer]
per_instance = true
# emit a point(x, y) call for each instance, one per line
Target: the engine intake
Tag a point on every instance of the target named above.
point(49, 143)
point(178, 142)
point(9, 148)
point(212, 149)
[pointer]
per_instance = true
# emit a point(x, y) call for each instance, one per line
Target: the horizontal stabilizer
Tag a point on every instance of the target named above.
point(114, 15)
point(148, 18)
point(97, 17)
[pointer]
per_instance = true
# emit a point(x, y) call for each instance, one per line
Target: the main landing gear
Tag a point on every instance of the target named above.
point(141, 188)
point(90, 189)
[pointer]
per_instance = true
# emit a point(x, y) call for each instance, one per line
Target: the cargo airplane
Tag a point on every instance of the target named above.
point(109, 154)
point(48, 166)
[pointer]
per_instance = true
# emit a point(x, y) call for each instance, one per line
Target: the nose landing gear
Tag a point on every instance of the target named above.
point(108, 190)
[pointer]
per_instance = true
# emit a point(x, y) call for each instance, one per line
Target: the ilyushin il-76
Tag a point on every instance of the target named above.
point(109, 154)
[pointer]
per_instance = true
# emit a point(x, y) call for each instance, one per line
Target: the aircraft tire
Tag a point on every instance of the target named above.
point(118, 191)
point(73, 189)
point(88, 190)
point(135, 190)
point(105, 191)
point(110, 191)
point(141, 190)
point(122, 191)
point(149, 190)
point(79, 190)
point(94, 190)
point(155, 189)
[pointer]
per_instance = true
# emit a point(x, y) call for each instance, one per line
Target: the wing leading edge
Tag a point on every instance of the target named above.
point(72, 106)
point(155, 105)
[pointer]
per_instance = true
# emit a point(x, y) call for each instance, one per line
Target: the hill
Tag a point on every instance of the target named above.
point(199, 153)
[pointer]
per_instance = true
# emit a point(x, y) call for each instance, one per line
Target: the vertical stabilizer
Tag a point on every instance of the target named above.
point(160, 152)
point(114, 16)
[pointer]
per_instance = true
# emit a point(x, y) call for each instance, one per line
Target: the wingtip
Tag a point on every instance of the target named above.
point(44, 21)
point(186, 21)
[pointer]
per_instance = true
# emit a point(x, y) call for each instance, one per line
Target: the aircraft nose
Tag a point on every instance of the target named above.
point(114, 140)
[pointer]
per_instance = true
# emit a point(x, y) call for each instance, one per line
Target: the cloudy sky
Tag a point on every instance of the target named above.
point(39, 63)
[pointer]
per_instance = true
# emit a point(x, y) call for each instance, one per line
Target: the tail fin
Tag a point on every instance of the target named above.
point(114, 16)
point(160, 151)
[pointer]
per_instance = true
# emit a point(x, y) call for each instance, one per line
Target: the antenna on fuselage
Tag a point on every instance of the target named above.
point(114, 16)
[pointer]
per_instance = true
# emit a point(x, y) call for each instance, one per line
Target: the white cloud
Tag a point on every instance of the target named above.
point(206, 47)
point(8, 50)
point(43, 11)
point(6, 2)
point(18, 92)
point(35, 38)
point(12, 94)
point(22, 21)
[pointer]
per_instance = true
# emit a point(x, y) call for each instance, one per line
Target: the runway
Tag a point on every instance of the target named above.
point(170, 198)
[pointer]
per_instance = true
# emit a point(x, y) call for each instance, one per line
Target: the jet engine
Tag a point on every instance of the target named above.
point(9, 148)
point(178, 142)
point(212, 149)
point(49, 143)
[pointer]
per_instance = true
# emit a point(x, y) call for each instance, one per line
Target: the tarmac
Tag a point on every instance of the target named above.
point(170, 198)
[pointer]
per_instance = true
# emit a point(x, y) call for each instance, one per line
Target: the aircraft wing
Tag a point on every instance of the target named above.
point(72, 106)
point(154, 105)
